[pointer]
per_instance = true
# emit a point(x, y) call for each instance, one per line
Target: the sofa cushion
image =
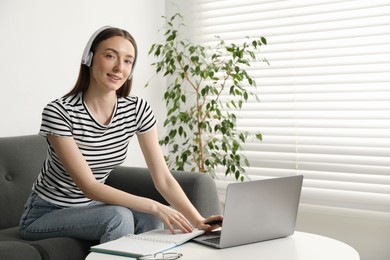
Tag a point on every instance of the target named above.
point(63, 248)
point(18, 250)
point(19, 168)
point(52, 248)
point(10, 234)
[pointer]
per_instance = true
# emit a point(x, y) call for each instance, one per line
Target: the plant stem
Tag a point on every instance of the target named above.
point(200, 139)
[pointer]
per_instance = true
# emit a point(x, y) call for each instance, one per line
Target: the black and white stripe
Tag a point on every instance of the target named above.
point(103, 147)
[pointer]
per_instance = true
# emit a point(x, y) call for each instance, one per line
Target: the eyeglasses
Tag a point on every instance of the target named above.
point(161, 256)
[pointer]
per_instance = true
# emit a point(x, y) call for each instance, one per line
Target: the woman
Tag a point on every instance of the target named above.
point(88, 131)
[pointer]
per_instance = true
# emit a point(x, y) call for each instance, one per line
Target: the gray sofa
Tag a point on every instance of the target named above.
point(20, 161)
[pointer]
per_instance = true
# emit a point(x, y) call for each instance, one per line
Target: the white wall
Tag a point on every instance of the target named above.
point(40, 51)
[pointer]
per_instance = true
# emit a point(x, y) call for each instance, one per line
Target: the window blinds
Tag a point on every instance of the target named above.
point(325, 98)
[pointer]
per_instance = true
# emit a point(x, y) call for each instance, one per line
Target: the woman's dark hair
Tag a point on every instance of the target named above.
point(82, 82)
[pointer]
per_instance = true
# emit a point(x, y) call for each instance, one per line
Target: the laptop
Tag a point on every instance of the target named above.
point(256, 211)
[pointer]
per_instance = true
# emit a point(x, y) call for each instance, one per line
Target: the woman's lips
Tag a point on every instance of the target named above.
point(114, 77)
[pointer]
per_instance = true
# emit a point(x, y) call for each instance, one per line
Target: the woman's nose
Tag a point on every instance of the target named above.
point(118, 66)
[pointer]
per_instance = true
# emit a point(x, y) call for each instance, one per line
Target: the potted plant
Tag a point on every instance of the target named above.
point(206, 85)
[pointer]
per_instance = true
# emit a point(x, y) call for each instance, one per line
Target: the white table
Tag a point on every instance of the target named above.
point(300, 246)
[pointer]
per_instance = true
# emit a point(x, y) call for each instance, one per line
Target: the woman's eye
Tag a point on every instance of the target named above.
point(129, 61)
point(110, 56)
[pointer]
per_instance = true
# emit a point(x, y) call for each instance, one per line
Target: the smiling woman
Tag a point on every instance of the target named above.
point(88, 132)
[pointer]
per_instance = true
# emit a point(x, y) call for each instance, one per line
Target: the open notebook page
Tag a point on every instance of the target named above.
point(146, 243)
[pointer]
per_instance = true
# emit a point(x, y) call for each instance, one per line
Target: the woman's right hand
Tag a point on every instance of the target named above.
point(211, 223)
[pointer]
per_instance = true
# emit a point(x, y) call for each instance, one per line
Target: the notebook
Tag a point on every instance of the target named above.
point(147, 243)
point(257, 211)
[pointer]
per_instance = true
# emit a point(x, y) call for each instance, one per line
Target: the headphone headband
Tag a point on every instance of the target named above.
point(88, 54)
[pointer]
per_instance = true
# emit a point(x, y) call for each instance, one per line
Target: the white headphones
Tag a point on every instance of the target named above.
point(88, 54)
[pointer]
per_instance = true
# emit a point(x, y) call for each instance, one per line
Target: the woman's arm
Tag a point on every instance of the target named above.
point(80, 172)
point(168, 186)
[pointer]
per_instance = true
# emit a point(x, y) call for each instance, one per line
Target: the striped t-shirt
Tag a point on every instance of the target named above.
point(103, 146)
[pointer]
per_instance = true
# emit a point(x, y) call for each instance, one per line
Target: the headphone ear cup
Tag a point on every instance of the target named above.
point(131, 74)
point(132, 70)
point(88, 61)
point(87, 54)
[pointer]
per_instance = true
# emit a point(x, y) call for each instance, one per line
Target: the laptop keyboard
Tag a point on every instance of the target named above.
point(213, 240)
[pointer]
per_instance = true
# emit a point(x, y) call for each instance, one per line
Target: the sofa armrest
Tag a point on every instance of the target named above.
point(199, 188)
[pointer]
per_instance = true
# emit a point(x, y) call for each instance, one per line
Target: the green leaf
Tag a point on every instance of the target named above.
point(236, 146)
point(158, 51)
point(194, 59)
point(184, 157)
point(224, 147)
point(254, 43)
point(172, 133)
point(172, 36)
point(246, 162)
point(237, 175)
point(151, 48)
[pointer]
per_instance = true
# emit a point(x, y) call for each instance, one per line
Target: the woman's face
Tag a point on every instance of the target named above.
point(112, 63)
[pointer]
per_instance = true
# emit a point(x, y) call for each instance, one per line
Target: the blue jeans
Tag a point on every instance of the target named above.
point(98, 221)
